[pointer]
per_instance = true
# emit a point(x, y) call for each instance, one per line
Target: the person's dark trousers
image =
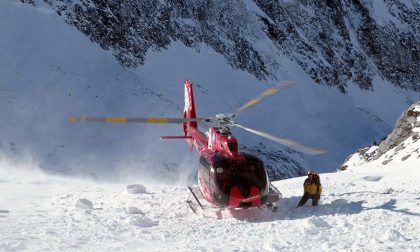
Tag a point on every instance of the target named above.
point(315, 198)
point(303, 200)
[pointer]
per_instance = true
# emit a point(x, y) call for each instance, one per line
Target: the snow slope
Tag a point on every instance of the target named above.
point(362, 209)
point(48, 71)
point(372, 205)
point(401, 148)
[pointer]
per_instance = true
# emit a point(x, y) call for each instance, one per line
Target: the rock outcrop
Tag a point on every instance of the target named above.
point(334, 41)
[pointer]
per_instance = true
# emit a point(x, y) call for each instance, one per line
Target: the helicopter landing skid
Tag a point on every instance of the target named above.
point(274, 196)
point(191, 203)
point(200, 206)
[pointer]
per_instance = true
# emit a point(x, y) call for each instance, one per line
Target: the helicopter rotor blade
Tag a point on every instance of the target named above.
point(83, 119)
point(285, 141)
point(267, 93)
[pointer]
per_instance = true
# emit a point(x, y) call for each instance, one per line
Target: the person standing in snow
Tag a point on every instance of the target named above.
point(311, 189)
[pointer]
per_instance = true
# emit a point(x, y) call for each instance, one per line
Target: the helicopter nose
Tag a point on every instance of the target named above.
point(237, 199)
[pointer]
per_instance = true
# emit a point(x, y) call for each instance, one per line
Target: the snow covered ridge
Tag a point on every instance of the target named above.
point(47, 64)
point(401, 147)
point(333, 41)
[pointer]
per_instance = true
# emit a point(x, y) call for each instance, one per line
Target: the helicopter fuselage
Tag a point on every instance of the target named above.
point(227, 177)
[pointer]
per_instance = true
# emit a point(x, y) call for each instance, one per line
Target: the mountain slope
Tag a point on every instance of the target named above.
point(401, 148)
point(49, 70)
point(335, 42)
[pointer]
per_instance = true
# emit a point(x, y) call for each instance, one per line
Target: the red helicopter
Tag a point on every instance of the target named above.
point(227, 177)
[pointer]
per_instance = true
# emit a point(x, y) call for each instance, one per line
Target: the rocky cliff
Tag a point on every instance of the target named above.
point(336, 41)
point(401, 145)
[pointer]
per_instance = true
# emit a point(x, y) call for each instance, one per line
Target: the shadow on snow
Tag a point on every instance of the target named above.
point(287, 210)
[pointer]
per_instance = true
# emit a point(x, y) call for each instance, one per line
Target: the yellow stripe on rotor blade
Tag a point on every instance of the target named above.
point(251, 103)
point(72, 119)
point(288, 82)
point(270, 91)
point(157, 120)
point(116, 119)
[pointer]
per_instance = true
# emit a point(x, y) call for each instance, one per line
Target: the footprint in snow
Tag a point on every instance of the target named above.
point(315, 225)
point(393, 236)
point(389, 191)
point(142, 222)
point(339, 202)
point(84, 204)
point(135, 189)
point(318, 222)
point(372, 178)
point(133, 210)
point(63, 196)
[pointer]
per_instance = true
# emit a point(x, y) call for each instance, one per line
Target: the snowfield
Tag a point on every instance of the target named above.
point(49, 70)
point(362, 209)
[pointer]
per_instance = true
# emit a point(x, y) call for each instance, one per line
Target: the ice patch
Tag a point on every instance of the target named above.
point(142, 222)
point(84, 204)
point(4, 211)
point(135, 189)
point(372, 178)
point(133, 210)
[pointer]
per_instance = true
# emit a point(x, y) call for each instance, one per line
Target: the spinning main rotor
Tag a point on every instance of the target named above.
point(221, 120)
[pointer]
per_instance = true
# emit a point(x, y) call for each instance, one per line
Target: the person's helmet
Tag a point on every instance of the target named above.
point(311, 173)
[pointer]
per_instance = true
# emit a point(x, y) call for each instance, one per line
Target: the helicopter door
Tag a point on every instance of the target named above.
point(205, 176)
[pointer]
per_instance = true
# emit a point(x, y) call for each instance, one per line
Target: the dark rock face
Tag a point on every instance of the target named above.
point(408, 125)
point(133, 28)
point(403, 130)
point(334, 41)
point(279, 165)
point(349, 43)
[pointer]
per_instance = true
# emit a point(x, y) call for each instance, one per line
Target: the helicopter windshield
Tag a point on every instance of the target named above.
point(242, 174)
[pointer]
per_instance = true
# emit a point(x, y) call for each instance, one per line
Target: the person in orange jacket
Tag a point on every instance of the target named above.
point(312, 189)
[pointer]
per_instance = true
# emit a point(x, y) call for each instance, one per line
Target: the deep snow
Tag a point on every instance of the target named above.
point(362, 209)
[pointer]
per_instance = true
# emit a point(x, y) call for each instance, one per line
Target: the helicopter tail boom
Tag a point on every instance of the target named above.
point(189, 107)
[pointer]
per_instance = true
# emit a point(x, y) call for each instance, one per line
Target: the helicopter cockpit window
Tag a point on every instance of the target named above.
point(238, 173)
point(232, 146)
point(205, 166)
